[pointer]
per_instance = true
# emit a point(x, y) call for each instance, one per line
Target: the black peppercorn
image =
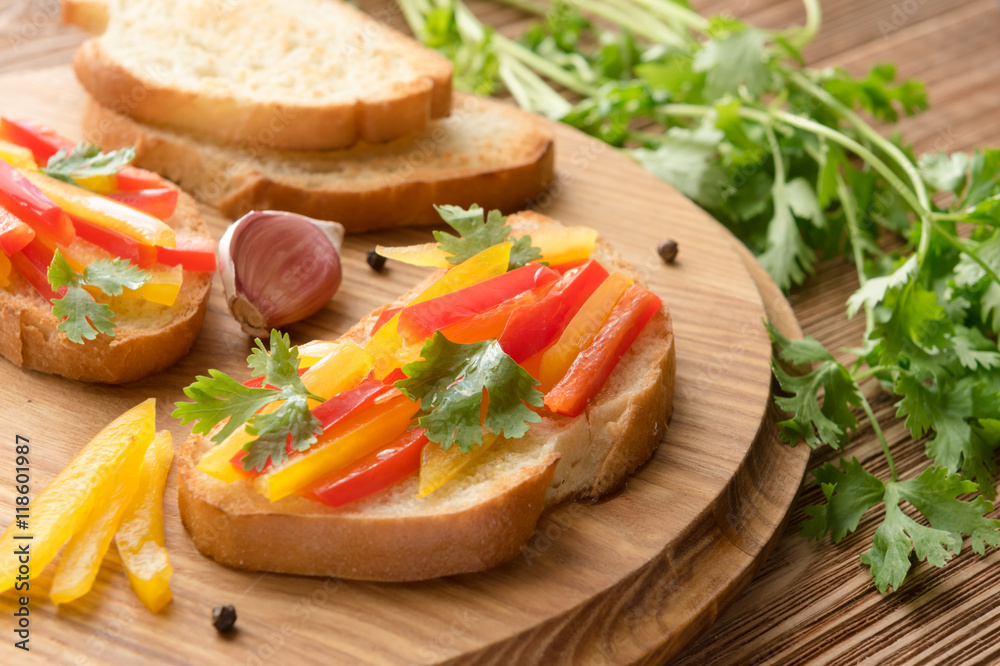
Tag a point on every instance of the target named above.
point(375, 260)
point(667, 251)
point(224, 618)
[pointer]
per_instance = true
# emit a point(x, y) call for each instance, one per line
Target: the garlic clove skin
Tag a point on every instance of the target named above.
point(278, 268)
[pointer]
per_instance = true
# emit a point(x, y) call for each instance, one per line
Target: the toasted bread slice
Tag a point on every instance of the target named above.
point(471, 523)
point(290, 74)
point(487, 152)
point(148, 337)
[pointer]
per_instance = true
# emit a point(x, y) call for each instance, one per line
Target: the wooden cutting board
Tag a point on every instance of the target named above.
point(629, 579)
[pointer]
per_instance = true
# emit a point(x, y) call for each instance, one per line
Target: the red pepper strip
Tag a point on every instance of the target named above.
point(386, 315)
point(532, 328)
point(32, 262)
point(160, 202)
point(40, 140)
point(595, 363)
point(333, 411)
point(117, 244)
point(562, 269)
point(133, 179)
point(379, 469)
point(419, 321)
point(31, 205)
point(14, 234)
point(490, 324)
point(194, 253)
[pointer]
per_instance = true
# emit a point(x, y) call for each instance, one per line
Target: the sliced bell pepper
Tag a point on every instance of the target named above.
point(17, 156)
point(533, 327)
point(5, 268)
point(78, 254)
point(140, 537)
point(39, 139)
point(102, 211)
point(20, 196)
point(14, 233)
point(580, 331)
point(133, 179)
point(370, 474)
point(387, 343)
point(595, 363)
point(62, 509)
point(160, 202)
point(438, 466)
point(426, 254)
point(83, 555)
point(194, 253)
point(419, 321)
point(103, 184)
point(385, 316)
point(561, 245)
point(339, 370)
point(32, 262)
point(313, 352)
point(163, 286)
point(118, 245)
point(490, 323)
point(340, 446)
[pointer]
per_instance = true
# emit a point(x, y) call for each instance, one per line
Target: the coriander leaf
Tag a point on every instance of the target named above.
point(944, 409)
point(803, 202)
point(688, 160)
point(807, 350)
point(975, 350)
point(984, 176)
point(873, 291)
point(292, 423)
point(828, 424)
point(280, 367)
point(82, 318)
point(86, 160)
point(916, 322)
point(850, 492)
point(944, 172)
point(219, 397)
point(60, 273)
point(788, 257)
point(935, 494)
point(734, 61)
point(477, 234)
point(113, 276)
point(451, 382)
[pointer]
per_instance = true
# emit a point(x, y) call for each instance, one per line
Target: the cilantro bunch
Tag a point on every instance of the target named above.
point(781, 154)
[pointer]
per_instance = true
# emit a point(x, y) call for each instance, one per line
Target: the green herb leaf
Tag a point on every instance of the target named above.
point(850, 491)
point(477, 234)
point(451, 382)
point(86, 160)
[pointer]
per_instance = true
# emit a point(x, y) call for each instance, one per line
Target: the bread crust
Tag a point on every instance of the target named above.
point(235, 186)
point(404, 108)
point(618, 432)
point(29, 337)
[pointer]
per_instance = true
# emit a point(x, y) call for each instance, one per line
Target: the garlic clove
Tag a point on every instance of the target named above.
point(278, 268)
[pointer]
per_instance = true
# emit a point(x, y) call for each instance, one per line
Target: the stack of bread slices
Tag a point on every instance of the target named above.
point(303, 105)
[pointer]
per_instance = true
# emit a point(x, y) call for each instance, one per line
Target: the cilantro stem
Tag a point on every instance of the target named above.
point(878, 432)
point(779, 162)
point(643, 25)
point(850, 205)
point(814, 18)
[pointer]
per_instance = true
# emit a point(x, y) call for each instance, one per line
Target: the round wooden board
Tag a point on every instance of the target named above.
point(630, 579)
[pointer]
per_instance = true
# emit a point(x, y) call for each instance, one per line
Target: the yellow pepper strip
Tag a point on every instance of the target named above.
point(371, 434)
point(100, 184)
point(162, 288)
point(491, 262)
point(140, 537)
point(427, 254)
point(17, 156)
point(340, 370)
point(561, 245)
point(63, 508)
point(82, 558)
point(438, 466)
point(311, 352)
point(578, 334)
point(4, 270)
point(103, 211)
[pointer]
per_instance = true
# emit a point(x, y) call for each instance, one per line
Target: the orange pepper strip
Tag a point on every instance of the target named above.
point(580, 331)
point(339, 370)
point(438, 466)
point(64, 507)
point(103, 211)
point(4, 270)
point(387, 344)
point(340, 446)
point(140, 537)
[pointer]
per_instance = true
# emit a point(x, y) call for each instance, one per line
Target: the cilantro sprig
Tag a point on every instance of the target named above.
point(453, 380)
point(477, 233)
point(87, 160)
point(82, 317)
point(218, 398)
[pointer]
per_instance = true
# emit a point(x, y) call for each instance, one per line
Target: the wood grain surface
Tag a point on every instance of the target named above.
point(633, 578)
point(812, 602)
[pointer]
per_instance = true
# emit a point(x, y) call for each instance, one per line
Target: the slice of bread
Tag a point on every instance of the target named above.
point(487, 152)
point(148, 337)
point(471, 523)
point(290, 74)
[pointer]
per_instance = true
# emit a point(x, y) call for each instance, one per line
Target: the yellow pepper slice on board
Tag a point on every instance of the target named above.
point(578, 334)
point(561, 245)
point(383, 424)
point(63, 507)
point(438, 466)
point(140, 537)
point(4, 270)
point(341, 369)
point(103, 211)
point(17, 156)
point(426, 254)
point(82, 558)
point(387, 342)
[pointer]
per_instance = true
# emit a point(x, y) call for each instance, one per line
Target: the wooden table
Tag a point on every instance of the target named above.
point(812, 602)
